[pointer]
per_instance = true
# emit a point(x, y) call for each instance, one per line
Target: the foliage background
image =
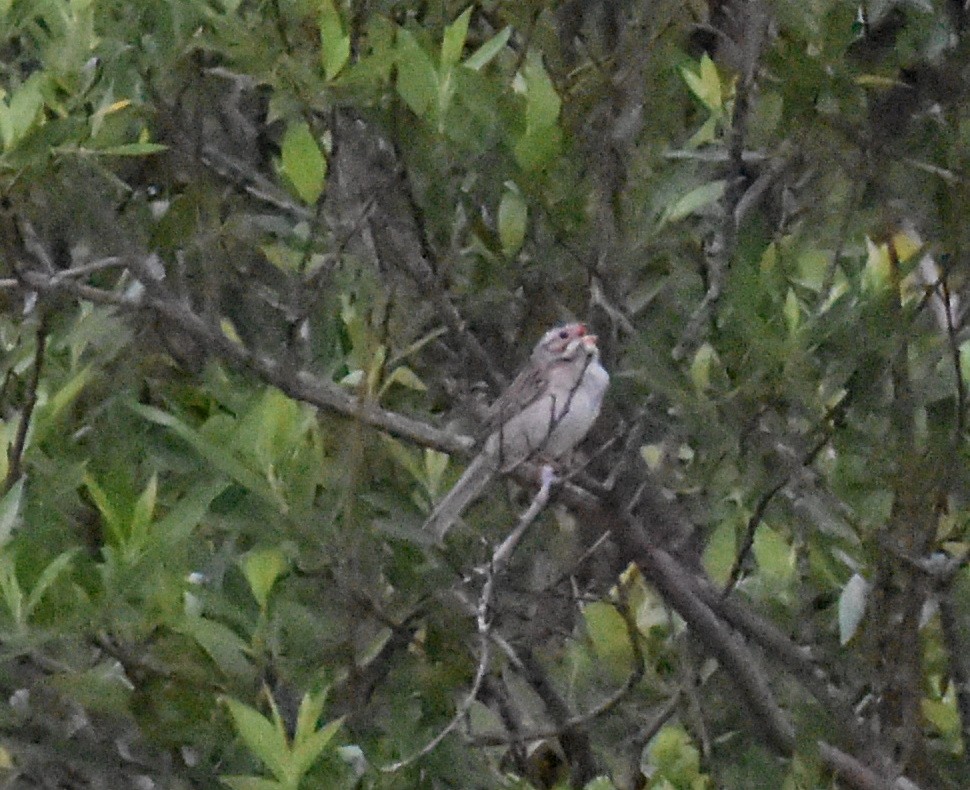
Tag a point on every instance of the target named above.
point(263, 260)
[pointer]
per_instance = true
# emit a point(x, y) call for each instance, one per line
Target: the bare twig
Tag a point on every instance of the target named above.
point(15, 452)
point(300, 385)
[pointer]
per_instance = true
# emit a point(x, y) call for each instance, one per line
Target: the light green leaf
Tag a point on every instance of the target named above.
point(608, 633)
point(221, 643)
point(453, 41)
point(13, 595)
point(311, 708)
point(776, 558)
point(112, 518)
point(47, 577)
point(307, 750)
point(217, 455)
point(132, 149)
point(813, 267)
point(23, 110)
point(707, 133)
point(852, 607)
point(265, 740)
point(10, 510)
point(47, 415)
point(942, 714)
point(142, 513)
point(792, 312)
point(417, 80)
point(482, 56)
point(302, 162)
point(698, 198)
point(179, 522)
point(877, 274)
point(435, 464)
point(404, 456)
point(705, 84)
point(513, 215)
point(542, 101)
point(538, 147)
point(262, 567)
point(700, 367)
point(334, 43)
point(404, 376)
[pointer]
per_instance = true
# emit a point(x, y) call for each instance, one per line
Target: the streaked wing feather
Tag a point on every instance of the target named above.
point(524, 390)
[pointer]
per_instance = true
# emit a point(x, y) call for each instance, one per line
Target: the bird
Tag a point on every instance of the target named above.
point(543, 414)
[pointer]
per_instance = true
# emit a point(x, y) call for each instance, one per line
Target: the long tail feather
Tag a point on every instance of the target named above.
point(469, 486)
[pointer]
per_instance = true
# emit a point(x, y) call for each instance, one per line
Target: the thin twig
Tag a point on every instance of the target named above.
point(15, 452)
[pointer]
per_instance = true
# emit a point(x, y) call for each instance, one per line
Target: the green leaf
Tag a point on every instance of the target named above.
point(23, 110)
point(13, 595)
point(698, 198)
point(221, 643)
point(608, 633)
point(311, 708)
point(852, 607)
point(537, 148)
point(513, 215)
point(264, 739)
point(262, 567)
point(435, 464)
point(47, 415)
point(47, 577)
point(334, 43)
point(792, 312)
point(542, 101)
point(132, 149)
point(417, 80)
point(10, 510)
point(942, 714)
point(675, 758)
point(404, 376)
point(302, 162)
point(217, 455)
point(453, 41)
point(179, 522)
point(306, 751)
point(142, 513)
point(776, 558)
point(482, 56)
point(705, 84)
point(112, 518)
point(700, 367)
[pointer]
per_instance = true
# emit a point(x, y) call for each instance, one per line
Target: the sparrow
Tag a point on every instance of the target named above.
point(543, 414)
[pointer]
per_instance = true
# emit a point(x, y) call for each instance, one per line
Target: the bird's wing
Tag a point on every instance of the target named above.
point(524, 390)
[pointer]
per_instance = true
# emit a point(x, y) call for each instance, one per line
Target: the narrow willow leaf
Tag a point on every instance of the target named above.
point(482, 56)
point(334, 43)
point(10, 510)
point(417, 80)
point(262, 738)
point(453, 41)
point(694, 201)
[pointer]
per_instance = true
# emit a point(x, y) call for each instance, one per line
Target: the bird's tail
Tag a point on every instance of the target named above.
point(469, 486)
